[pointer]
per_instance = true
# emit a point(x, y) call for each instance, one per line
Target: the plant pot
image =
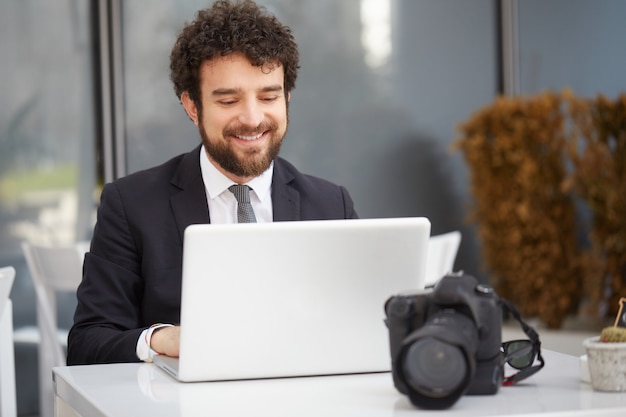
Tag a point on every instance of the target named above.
point(607, 364)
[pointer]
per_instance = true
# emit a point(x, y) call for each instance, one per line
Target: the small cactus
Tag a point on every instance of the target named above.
point(613, 334)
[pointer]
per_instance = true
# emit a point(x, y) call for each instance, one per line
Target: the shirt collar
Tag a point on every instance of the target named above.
point(216, 183)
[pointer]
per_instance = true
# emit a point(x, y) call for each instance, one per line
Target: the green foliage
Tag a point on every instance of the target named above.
point(15, 184)
point(613, 334)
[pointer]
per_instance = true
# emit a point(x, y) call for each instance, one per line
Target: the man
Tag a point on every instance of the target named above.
point(233, 69)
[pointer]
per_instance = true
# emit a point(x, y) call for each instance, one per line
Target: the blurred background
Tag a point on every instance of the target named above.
point(85, 98)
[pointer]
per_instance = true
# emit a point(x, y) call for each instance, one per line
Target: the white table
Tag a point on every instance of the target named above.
point(145, 390)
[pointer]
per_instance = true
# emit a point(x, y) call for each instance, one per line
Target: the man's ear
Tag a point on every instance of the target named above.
point(190, 107)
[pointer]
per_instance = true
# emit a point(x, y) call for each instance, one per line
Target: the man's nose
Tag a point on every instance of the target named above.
point(251, 114)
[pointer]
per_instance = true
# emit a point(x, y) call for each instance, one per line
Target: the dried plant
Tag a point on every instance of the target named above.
point(526, 220)
point(598, 154)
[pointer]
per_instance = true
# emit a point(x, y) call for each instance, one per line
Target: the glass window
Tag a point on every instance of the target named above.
point(382, 86)
point(47, 168)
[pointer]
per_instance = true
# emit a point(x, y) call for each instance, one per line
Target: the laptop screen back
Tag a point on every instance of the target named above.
point(294, 298)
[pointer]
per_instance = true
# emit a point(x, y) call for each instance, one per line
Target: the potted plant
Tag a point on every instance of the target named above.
point(606, 355)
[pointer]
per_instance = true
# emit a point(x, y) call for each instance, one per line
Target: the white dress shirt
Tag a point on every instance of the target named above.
point(222, 209)
point(222, 203)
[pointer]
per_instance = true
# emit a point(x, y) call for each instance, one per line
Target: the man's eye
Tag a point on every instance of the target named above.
point(270, 98)
point(227, 102)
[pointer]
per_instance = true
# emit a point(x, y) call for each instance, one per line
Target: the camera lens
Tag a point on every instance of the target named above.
point(437, 363)
point(434, 368)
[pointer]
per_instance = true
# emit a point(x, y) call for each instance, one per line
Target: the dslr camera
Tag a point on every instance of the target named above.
point(445, 342)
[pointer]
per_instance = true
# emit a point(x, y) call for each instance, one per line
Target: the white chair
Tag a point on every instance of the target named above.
point(8, 399)
point(53, 269)
point(442, 250)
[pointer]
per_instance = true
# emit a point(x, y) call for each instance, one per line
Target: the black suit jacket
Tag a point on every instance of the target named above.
point(132, 273)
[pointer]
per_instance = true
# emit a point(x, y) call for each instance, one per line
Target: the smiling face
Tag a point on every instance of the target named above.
point(243, 117)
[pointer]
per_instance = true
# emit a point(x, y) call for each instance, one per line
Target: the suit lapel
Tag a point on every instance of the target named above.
point(285, 199)
point(189, 205)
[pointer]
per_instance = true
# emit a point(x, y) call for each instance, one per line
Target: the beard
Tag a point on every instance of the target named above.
point(253, 162)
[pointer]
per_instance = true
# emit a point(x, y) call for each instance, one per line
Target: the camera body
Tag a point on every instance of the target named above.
point(445, 342)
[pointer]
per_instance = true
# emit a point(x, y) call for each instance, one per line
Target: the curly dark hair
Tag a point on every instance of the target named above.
point(226, 28)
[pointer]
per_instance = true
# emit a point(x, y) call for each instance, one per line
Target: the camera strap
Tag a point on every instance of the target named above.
point(533, 337)
point(510, 308)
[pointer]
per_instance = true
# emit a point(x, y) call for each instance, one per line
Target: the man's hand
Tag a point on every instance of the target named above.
point(166, 341)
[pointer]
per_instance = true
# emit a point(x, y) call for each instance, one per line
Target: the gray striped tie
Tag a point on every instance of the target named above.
point(245, 214)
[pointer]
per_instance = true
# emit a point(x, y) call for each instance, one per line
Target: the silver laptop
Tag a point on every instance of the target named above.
point(287, 299)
